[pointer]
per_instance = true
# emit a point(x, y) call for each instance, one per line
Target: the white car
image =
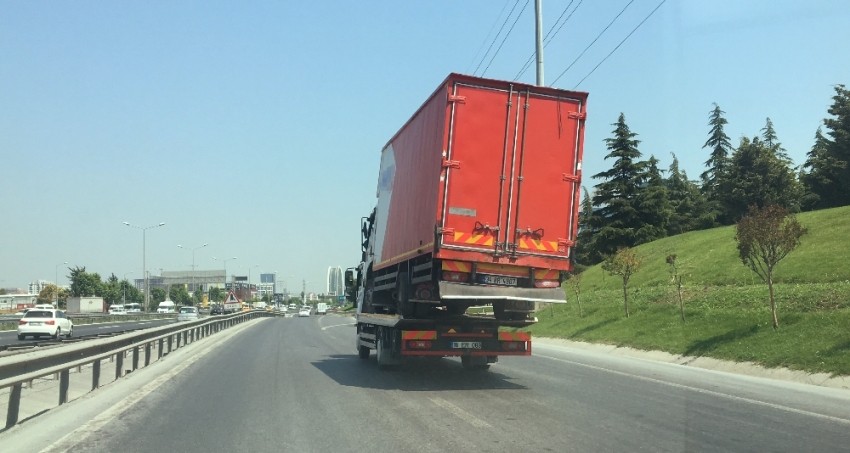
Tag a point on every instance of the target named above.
point(36, 323)
point(187, 314)
point(304, 312)
point(117, 309)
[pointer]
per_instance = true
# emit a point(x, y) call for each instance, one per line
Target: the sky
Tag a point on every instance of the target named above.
point(256, 127)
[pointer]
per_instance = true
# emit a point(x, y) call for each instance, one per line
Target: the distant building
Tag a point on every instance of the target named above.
point(267, 285)
point(335, 285)
point(191, 280)
point(37, 286)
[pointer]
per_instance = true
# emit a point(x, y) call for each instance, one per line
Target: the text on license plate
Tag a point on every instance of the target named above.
point(498, 280)
point(35, 323)
point(466, 345)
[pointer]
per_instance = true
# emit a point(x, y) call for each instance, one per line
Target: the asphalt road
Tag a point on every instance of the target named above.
point(11, 337)
point(295, 384)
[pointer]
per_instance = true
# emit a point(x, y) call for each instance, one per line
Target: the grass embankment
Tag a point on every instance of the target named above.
point(726, 305)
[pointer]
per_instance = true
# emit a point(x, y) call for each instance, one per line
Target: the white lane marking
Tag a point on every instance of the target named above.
point(339, 325)
point(460, 413)
point(704, 391)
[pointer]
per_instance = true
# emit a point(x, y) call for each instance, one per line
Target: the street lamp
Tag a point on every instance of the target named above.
point(144, 263)
point(249, 280)
point(193, 265)
point(56, 281)
point(225, 260)
point(124, 284)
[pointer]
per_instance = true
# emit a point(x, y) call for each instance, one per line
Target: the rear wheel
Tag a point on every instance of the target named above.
point(58, 333)
point(70, 332)
point(362, 351)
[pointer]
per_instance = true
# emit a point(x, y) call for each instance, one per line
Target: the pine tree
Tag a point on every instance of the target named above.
point(771, 140)
point(828, 164)
point(582, 252)
point(758, 177)
point(717, 163)
point(815, 173)
point(654, 205)
point(618, 217)
point(690, 210)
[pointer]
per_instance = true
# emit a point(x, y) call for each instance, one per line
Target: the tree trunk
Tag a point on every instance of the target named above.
point(681, 302)
point(626, 295)
point(772, 300)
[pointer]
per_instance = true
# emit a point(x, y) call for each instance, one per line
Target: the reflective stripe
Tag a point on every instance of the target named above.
point(419, 335)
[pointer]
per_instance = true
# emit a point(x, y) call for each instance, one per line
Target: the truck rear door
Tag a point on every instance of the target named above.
point(512, 171)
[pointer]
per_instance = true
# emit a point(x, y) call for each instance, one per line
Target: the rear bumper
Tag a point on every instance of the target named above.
point(460, 291)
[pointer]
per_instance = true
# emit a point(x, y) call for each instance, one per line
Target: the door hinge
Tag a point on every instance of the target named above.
point(457, 98)
point(577, 115)
point(571, 178)
point(451, 163)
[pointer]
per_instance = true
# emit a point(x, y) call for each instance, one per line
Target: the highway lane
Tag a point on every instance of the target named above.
point(11, 337)
point(295, 384)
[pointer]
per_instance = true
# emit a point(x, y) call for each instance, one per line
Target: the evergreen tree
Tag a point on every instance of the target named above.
point(720, 145)
point(815, 173)
point(582, 253)
point(654, 205)
point(827, 178)
point(618, 217)
point(771, 141)
point(690, 209)
point(758, 177)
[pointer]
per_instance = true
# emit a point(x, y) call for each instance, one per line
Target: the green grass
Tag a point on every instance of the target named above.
point(726, 305)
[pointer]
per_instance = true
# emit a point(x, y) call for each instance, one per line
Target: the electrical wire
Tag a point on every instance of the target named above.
point(492, 27)
point(593, 42)
point(621, 42)
point(505, 38)
point(547, 39)
point(495, 38)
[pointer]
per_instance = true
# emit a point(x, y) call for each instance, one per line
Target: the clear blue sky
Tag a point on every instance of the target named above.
point(256, 127)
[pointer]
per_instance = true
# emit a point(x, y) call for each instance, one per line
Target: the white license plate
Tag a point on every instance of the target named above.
point(498, 280)
point(35, 323)
point(466, 345)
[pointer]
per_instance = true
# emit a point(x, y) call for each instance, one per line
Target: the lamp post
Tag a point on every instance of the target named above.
point(225, 260)
point(249, 280)
point(56, 281)
point(144, 262)
point(124, 285)
point(193, 264)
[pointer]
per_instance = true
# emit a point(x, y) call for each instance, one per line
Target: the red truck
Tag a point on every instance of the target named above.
point(478, 199)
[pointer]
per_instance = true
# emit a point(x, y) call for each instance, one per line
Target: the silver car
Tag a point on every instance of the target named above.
point(36, 323)
point(187, 314)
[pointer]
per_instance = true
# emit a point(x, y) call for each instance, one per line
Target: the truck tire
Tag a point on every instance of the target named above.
point(476, 363)
point(362, 351)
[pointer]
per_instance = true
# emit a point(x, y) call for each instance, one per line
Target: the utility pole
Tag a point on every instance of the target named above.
point(538, 28)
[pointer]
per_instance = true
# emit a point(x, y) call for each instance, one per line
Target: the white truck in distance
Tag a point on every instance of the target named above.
point(321, 308)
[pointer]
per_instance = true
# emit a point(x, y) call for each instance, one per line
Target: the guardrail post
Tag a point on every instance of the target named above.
point(14, 406)
point(95, 375)
point(135, 358)
point(119, 364)
point(170, 342)
point(161, 346)
point(64, 381)
point(147, 353)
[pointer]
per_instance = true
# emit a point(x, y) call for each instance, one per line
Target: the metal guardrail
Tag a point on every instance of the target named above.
point(15, 374)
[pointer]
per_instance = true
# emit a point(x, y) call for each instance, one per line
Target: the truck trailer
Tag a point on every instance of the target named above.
point(477, 204)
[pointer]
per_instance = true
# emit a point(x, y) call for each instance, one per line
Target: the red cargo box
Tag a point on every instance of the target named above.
point(485, 171)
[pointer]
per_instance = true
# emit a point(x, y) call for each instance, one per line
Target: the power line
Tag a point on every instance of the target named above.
point(594, 40)
point(505, 38)
point(547, 39)
point(493, 27)
point(621, 42)
point(495, 38)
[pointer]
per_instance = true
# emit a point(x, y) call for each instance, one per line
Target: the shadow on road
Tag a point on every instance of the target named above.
point(415, 375)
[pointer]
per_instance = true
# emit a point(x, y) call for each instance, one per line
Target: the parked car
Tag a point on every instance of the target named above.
point(36, 323)
point(187, 314)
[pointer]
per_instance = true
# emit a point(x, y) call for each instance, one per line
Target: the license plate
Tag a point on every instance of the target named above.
point(498, 280)
point(35, 323)
point(466, 345)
